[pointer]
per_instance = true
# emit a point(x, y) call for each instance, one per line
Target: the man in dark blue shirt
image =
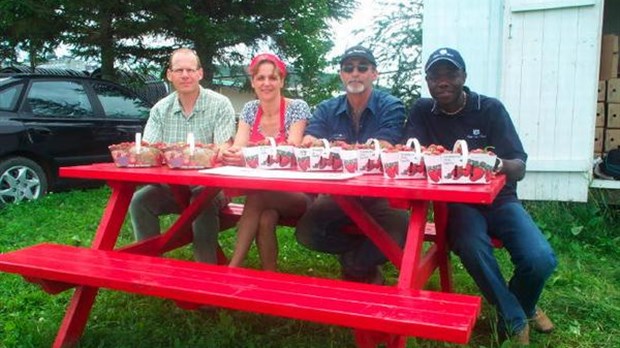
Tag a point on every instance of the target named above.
point(455, 112)
point(360, 114)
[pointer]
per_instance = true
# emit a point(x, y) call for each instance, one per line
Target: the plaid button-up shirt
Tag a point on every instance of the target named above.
point(211, 121)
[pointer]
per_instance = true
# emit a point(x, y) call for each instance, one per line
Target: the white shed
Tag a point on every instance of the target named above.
point(541, 59)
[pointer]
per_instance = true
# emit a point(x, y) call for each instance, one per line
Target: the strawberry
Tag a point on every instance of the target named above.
point(421, 167)
point(285, 161)
point(323, 162)
point(476, 174)
point(391, 170)
point(350, 166)
point(434, 174)
point(252, 162)
point(411, 169)
point(303, 163)
point(337, 163)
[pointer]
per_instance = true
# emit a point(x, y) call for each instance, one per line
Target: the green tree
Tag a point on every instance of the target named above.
point(396, 41)
point(111, 31)
point(297, 30)
point(33, 26)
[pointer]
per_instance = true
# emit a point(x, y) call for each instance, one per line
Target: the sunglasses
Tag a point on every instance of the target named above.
point(348, 68)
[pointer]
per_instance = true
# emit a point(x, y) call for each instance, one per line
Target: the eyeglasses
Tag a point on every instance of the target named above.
point(180, 71)
point(348, 68)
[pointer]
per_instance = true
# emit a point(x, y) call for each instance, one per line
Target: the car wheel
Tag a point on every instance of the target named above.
point(21, 179)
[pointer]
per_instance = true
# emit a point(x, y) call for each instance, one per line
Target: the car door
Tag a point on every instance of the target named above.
point(62, 121)
point(125, 113)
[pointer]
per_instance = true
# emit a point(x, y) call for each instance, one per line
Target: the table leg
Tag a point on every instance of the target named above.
point(180, 232)
point(113, 215)
point(441, 225)
point(371, 229)
point(83, 298)
point(409, 277)
point(76, 317)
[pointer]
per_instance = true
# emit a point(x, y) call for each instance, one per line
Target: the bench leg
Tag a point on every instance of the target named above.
point(76, 317)
point(372, 339)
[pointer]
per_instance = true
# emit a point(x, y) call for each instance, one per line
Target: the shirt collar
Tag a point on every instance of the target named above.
point(176, 106)
point(473, 102)
point(372, 104)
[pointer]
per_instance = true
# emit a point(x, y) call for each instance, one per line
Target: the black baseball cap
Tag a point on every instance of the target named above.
point(445, 54)
point(358, 52)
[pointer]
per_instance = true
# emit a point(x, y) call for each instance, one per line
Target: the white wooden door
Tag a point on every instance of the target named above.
point(549, 85)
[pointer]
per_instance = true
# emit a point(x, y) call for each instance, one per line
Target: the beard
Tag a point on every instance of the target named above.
point(355, 88)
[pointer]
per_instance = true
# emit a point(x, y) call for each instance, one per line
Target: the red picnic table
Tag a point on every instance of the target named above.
point(379, 314)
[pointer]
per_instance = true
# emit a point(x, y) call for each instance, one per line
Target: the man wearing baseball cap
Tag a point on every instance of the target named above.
point(455, 112)
point(354, 117)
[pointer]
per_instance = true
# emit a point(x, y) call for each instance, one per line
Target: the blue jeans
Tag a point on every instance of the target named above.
point(320, 228)
point(470, 228)
point(151, 201)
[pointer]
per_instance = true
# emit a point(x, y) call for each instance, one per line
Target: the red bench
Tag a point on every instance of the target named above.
point(394, 312)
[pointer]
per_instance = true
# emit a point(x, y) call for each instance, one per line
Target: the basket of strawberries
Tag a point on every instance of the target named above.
point(136, 154)
point(459, 166)
point(190, 156)
point(404, 161)
point(267, 154)
point(362, 158)
point(318, 157)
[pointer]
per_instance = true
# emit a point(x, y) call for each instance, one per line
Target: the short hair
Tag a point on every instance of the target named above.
point(184, 50)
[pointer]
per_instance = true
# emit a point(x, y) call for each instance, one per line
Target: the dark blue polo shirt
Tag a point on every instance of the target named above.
point(382, 119)
point(483, 122)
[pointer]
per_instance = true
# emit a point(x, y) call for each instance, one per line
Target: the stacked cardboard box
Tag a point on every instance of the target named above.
point(607, 135)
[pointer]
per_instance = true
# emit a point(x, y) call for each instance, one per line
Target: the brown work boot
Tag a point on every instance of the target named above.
point(541, 322)
point(522, 338)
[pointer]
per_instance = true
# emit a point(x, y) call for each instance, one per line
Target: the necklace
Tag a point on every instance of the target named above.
point(459, 109)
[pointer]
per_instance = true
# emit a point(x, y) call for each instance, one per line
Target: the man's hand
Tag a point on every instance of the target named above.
point(514, 169)
point(308, 140)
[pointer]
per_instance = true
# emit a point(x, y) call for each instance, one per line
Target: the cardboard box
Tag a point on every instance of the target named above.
point(613, 91)
point(599, 133)
point(613, 115)
point(602, 90)
point(600, 114)
point(609, 57)
point(612, 139)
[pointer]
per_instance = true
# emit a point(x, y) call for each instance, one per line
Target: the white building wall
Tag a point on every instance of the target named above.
point(540, 57)
point(474, 28)
point(549, 84)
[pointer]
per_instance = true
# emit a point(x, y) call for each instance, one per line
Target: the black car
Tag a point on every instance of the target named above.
point(53, 120)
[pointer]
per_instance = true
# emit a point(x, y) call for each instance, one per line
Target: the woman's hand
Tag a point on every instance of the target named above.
point(232, 156)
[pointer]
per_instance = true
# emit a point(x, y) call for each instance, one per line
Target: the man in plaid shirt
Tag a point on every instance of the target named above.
point(211, 118)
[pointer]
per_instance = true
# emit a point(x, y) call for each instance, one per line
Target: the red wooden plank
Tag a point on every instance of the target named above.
point(448, 317)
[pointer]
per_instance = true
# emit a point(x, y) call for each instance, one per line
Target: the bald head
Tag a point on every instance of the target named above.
point(186, 52)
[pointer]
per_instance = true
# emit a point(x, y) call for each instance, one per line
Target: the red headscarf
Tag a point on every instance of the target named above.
point(270, 58)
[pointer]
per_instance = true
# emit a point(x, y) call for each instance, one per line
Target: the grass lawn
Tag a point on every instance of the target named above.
point(582, 296)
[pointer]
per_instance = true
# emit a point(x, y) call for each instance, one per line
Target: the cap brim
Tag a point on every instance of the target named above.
point(433, 62)
point(371, 61)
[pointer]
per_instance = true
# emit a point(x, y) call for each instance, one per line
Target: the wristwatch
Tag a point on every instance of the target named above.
point(499, 165)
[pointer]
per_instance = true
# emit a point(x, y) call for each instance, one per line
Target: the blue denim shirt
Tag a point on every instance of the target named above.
point(383, 119)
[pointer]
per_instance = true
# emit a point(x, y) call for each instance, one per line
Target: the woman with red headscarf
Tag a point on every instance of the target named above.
point(271, 115)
